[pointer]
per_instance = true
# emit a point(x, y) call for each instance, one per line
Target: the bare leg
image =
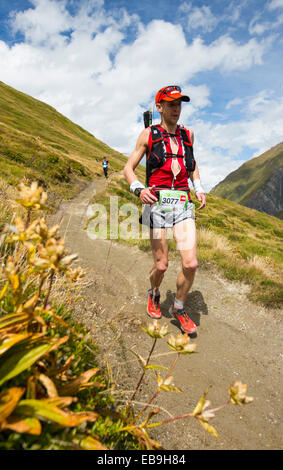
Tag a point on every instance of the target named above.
point(160, 256)
point(185, 236)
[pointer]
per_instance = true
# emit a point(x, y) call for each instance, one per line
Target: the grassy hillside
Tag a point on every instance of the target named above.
point(242, 183)
point(37, 142)
point(244, 244)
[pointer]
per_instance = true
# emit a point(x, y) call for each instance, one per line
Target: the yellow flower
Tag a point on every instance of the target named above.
point(205, 414)
point(181, 344)
point(166, 382)
point(22, 234)
point(10, 267)
point(238, 393)
point(53, 256)
point(31, 197)
point(75, 275)
point(44, 232)
point(11, 272)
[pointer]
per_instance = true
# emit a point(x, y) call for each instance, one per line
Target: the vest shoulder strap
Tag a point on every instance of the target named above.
point(156, 134)
point(154, 137)
point(185, 133)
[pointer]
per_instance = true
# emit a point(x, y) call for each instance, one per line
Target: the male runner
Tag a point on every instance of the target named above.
point(105, 166)
point(170, 162)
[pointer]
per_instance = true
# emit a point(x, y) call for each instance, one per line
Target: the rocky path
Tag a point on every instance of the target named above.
point(236, 340)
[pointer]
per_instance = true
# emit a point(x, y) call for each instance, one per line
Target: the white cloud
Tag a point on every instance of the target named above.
point(102, 79)
point(200, 18)
point(259, 102)
point(260, 129)
point(234, 102)
point(42, 23)
point(274, 4)
point(258, 28)
point(259, 23)
point(233, 11)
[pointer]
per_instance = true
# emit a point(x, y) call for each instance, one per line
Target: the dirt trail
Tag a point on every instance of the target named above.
point(236, 339)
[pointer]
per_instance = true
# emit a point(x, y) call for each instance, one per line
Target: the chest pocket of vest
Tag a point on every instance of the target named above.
point(189, 157)
point(189, 152)
point(156, 156)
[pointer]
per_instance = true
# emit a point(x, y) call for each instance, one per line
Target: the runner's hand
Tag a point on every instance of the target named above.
point(147, 197)
point(202, 199)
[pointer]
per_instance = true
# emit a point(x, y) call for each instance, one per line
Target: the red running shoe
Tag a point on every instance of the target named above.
point(187, 325)
point(153, 305)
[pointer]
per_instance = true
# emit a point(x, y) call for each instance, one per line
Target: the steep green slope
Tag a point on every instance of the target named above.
point(257, 183)
point(37, 142)
point(243, 244)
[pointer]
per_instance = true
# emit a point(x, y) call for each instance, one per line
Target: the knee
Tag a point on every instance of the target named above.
point(161, 265)
point(190, 264)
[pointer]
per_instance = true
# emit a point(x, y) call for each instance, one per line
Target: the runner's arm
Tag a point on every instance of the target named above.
point(134, 159)
point(194, 176)
point(136, 156)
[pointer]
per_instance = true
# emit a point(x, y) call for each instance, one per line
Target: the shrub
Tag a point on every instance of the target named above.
point(41, 352)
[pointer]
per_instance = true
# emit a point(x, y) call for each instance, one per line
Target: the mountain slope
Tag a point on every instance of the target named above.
point(257, 184)
point(245, 244)
point(241, 243)
point(39, 143)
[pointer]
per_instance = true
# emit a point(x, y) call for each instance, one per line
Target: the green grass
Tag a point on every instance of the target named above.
point(248, 234)
point(105, 428)
point(63, 159)
point(242, 183)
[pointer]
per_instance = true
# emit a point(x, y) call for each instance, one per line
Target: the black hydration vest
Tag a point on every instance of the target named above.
point(158, 154)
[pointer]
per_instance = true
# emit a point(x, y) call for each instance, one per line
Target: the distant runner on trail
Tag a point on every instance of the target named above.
point(169, 163)
point(105, 166)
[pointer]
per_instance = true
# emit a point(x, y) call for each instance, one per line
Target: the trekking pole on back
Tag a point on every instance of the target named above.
point(147, 118)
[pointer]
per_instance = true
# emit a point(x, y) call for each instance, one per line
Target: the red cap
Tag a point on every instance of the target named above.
point(170, 93)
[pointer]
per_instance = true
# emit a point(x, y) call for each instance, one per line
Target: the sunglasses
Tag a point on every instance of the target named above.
point(171, 88)
point(167, 90)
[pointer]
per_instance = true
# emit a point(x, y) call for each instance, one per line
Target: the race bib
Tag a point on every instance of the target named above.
point(170, 200)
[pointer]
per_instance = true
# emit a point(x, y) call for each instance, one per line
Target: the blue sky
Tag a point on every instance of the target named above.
point(100, 63)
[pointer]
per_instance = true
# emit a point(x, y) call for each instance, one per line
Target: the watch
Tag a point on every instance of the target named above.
point(138, 191)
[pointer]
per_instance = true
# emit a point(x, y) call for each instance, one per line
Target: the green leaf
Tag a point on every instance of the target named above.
point(154, 366)
point(10, 340)
point(200, 404)
point(26, 425)
point(41, 409)
point(21, 360)
point(3, 291)
point(170, 388)
point(141, 360)
point(209, 428)
point(89, 443)
point(14, 319)
point(8, 401)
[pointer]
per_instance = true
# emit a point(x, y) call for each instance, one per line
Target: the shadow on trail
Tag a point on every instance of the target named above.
point(194, 305)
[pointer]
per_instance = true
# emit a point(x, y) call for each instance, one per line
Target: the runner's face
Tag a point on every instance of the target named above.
point(171, 110)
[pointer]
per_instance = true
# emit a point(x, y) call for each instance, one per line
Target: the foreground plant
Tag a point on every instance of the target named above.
point(202, 412)
point(30, 337)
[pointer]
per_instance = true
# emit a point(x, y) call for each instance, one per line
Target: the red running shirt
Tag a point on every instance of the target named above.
point(163, 177)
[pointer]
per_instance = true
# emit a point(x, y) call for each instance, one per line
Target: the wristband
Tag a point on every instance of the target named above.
point(197, 186)
point(136, 184)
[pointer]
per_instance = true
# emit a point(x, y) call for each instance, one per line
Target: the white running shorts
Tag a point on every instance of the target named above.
point(153, 217)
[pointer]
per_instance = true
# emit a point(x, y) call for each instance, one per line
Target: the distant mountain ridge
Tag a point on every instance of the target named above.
point(257, 184)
